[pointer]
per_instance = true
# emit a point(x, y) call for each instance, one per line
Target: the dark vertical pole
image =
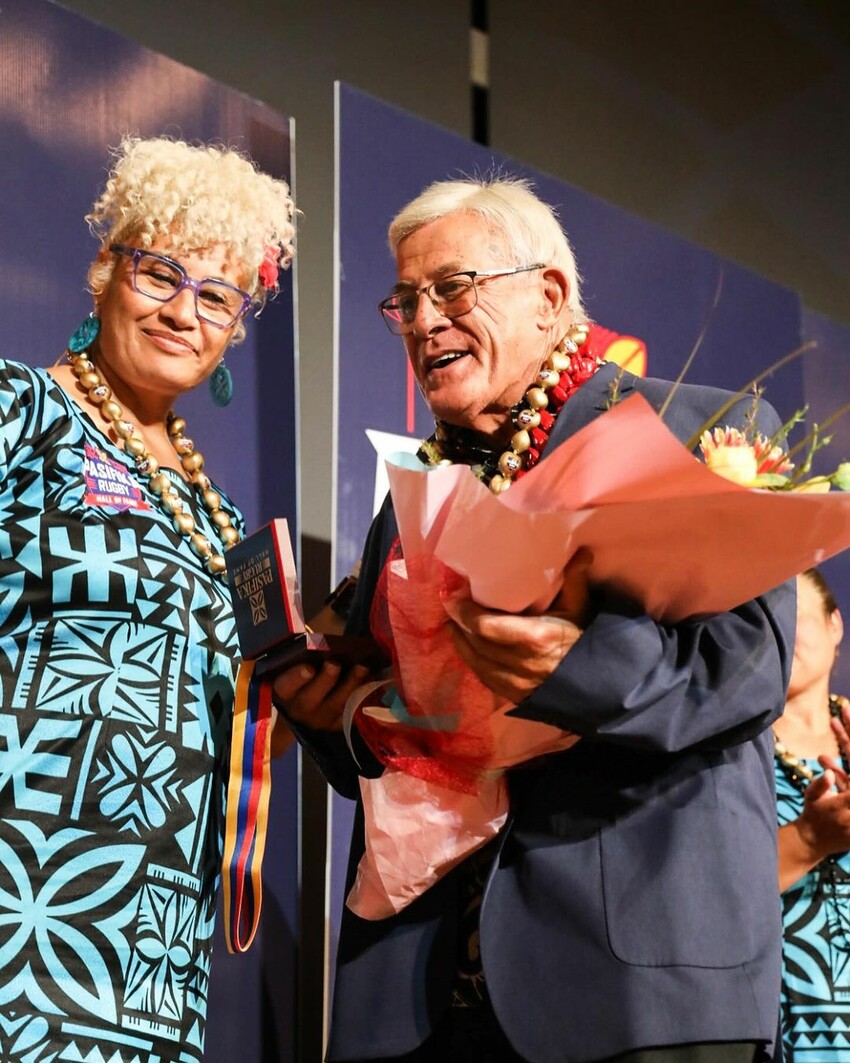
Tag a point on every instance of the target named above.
point(479, 71)
point(313, 846)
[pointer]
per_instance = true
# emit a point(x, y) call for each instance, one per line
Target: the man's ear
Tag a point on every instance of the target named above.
point(555, 293)
point(837, 625)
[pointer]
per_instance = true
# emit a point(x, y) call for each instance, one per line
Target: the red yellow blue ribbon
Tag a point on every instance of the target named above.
point(246, 822)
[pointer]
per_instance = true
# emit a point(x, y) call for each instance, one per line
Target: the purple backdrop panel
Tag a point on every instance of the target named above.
point(638, 280)
point(69, 89)
point(827, 383)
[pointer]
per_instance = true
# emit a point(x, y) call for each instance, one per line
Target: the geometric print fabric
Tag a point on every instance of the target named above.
point(816, 952)
point(117, 664)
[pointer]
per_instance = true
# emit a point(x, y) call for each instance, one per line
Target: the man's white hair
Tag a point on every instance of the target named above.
point(529, 227)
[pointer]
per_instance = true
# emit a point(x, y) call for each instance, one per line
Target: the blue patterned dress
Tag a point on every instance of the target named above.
point(117, 668)
point(816, 951)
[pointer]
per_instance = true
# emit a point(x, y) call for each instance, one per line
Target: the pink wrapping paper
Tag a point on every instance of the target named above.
point(659, 527)
point(417, 832)
point(445, 746)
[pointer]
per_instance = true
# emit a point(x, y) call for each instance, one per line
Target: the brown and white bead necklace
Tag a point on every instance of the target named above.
point(563, 373)
point(795, 769)
point(99, 394)
point(799, 774)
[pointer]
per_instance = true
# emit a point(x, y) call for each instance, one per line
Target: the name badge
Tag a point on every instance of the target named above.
point(110, 484)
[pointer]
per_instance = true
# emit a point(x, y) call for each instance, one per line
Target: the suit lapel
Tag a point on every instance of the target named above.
point(589, 401)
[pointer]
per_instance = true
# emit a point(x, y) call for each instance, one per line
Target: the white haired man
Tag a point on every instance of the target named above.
point(627, 911)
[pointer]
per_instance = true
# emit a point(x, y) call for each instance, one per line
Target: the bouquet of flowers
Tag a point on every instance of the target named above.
point(656, 524)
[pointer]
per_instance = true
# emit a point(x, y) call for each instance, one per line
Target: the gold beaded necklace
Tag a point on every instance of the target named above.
point(566, 369)
point(799, 775)
point(794, 768)
point(99, 394)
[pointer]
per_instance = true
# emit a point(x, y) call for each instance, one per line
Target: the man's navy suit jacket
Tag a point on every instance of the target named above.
point(634, 899)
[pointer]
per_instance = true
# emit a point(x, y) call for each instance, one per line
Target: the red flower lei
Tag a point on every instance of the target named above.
point(565, 370)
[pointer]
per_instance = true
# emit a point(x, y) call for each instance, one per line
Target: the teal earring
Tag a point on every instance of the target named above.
point(85, 335)
point(221, 384)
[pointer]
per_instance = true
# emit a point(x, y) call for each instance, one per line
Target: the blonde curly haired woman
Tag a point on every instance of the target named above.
point(116, 631)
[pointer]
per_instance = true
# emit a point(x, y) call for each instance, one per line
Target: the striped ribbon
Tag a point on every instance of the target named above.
point(246, 823)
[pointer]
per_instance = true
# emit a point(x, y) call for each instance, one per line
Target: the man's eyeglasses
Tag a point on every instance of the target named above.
point(452, 296)
point(217, 302)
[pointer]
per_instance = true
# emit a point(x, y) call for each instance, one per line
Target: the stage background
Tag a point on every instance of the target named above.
point(68, 90)
point(826, 388)
point(723, 125)
point(638, 280)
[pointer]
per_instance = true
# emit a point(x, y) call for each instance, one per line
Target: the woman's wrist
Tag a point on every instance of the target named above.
point(797, 855)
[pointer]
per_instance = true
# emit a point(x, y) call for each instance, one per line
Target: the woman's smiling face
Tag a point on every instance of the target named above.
point(164, 349)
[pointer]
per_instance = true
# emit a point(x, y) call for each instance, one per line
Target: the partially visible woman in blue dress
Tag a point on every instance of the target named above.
point(117, 642)
point(813, 791)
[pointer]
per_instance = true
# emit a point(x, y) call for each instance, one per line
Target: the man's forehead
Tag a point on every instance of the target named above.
point(444, 269)
point(448, 245)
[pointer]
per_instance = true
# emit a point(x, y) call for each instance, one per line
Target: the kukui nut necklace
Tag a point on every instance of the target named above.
point(99, 394)
point(563, 373)
point(799, 774)
point(795, 769)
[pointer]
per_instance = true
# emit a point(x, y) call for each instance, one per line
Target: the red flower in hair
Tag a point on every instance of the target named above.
point(269, 268)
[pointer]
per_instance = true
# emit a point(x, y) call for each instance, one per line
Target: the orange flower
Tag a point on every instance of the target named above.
point(756, 462)
point(771, 458)
point(730, 453)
